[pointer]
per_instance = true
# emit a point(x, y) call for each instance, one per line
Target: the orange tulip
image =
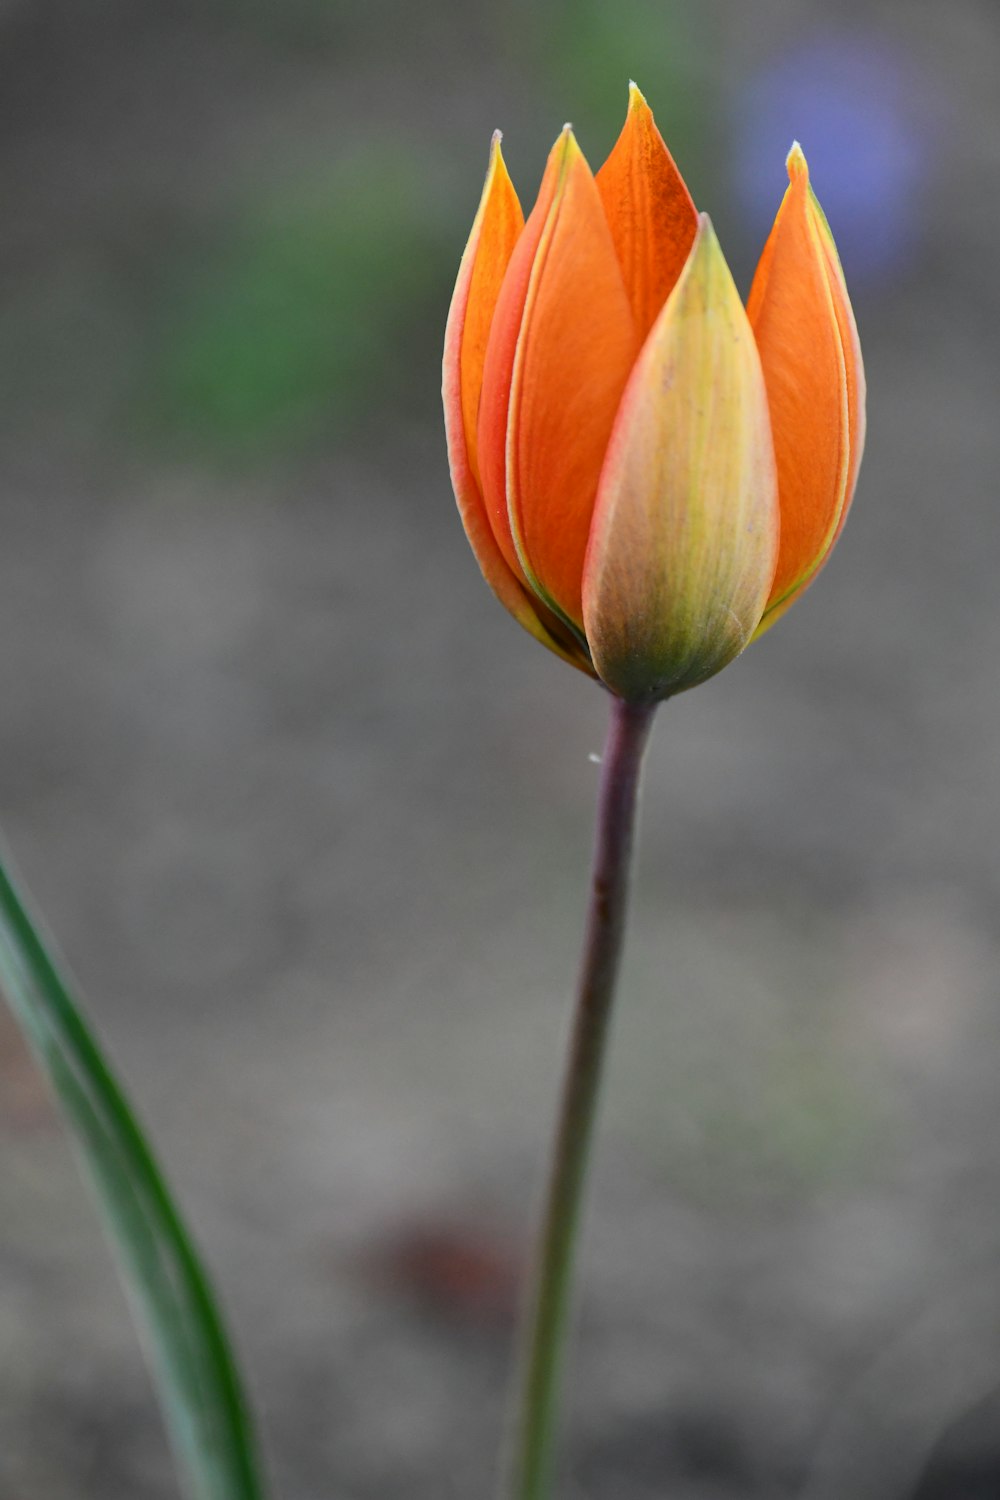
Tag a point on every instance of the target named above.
point(648, 473)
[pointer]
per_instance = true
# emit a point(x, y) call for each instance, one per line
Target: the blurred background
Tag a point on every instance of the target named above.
point(311, 817)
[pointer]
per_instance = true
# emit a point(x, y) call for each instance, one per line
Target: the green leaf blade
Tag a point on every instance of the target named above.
point(193, 1364)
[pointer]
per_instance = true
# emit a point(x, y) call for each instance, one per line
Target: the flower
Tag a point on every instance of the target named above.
point(648, 473)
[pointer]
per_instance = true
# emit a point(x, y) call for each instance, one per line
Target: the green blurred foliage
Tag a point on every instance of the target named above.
point(313, 299)
point(797, 1124)
point(309, 23)
point(321, 299)
point(358, 29)
point(70, 351)
point(586, 51)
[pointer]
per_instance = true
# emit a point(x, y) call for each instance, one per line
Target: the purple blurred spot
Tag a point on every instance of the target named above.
point(853, 105)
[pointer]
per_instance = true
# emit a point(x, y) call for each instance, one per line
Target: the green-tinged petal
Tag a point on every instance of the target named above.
point(685, 533)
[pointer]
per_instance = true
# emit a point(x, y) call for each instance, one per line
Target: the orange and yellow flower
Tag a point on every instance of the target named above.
point(648, 473)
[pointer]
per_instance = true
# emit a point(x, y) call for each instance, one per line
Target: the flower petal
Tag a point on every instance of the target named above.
point(685, 531)
point(649, 209)
point(559, 354)
point(495, 231)
point(809, 350)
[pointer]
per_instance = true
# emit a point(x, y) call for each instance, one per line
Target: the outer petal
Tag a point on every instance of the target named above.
point(811, 357)
point(649, 209)
point(685, 531)
point(495, 231)
point(560, 351)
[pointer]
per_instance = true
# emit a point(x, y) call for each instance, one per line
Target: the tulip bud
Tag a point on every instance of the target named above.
point(648, 475)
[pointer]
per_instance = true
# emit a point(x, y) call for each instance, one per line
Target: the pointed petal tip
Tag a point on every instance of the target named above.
point(706, 241)
point(565, 147)
point(796, 163)
point(496, 153)
point(496, 167)
point(706, 262)
point(636, 98)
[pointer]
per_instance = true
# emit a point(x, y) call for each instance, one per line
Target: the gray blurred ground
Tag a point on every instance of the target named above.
point(311, 818)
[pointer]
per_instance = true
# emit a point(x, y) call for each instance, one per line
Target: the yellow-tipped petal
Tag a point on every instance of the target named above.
point(495, 232)
point(685, 531)
point(811, 357)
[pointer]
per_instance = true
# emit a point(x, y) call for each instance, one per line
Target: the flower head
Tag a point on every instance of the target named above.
point(648, 473)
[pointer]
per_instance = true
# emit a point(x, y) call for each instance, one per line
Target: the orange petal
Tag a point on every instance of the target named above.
point(652, 217)
point(685, 531)
point(495, 231)
point(560, 350)
point(811, 357)
point(499, 224)
point(498, 370)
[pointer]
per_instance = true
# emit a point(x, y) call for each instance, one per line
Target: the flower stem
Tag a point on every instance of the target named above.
point(548, 1307)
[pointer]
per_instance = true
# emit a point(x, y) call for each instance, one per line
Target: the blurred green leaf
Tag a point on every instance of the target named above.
point(289, 328)
point(196, 1374)
point(587, 51)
